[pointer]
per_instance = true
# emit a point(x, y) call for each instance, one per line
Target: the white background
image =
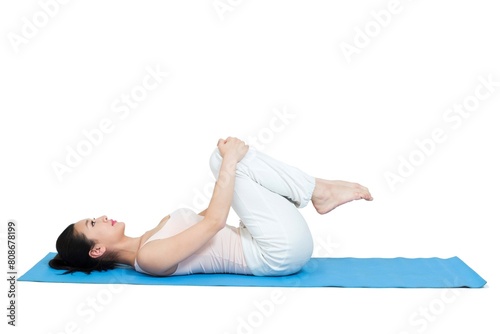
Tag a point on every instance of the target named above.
point(229, 73)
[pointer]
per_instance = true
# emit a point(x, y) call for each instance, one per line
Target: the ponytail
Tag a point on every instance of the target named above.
point(58, 263)
point(73, 254)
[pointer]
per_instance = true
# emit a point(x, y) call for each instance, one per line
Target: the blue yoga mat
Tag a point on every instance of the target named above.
point(318, 272)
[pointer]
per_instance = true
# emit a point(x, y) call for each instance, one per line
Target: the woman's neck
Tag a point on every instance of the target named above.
point(127, 250)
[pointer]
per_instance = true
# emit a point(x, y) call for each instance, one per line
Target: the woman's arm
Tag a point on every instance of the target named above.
point(220, 203)
point(160, 256)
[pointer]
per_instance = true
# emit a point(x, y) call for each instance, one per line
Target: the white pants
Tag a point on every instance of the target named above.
point(275, 236)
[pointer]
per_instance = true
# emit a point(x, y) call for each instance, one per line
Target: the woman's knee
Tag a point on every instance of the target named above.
point(301, 252)
point(297, 255)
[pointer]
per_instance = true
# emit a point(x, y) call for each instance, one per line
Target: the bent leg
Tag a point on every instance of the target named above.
point(275, 236)
point(276, 176)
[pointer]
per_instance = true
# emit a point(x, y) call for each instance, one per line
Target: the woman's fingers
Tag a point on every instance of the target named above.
point(232, 146)
point(229, 140)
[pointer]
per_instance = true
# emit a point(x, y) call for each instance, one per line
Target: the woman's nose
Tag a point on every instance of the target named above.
point(104, 219)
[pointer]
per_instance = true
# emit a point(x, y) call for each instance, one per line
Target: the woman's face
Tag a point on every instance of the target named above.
point(102, 230)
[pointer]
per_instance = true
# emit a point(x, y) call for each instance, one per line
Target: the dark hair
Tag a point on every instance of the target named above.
point(73, 254)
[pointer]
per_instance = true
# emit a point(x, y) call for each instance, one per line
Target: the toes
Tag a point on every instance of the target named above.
point(365, 195)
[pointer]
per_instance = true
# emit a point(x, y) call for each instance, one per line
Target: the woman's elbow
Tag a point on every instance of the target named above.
point(215, 223)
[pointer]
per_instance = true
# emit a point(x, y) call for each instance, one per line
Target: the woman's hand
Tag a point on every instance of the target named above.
point(232, 148)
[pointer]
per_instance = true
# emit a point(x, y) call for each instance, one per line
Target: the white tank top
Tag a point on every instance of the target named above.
point(222, 254)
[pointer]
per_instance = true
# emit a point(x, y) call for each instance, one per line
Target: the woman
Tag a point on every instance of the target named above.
point(273, 238)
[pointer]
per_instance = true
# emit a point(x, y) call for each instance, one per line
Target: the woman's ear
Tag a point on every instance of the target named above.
point(97, 251)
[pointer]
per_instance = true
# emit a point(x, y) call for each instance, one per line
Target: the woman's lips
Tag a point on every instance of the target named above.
point(113, 222)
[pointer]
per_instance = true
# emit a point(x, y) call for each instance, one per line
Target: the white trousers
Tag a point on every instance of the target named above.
point(275, 237)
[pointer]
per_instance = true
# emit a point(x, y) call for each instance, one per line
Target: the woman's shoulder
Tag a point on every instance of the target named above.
point(148, 234)
point(144, 262)
point(176, 213)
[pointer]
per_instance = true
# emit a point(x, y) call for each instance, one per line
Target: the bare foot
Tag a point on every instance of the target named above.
point(329, 194)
